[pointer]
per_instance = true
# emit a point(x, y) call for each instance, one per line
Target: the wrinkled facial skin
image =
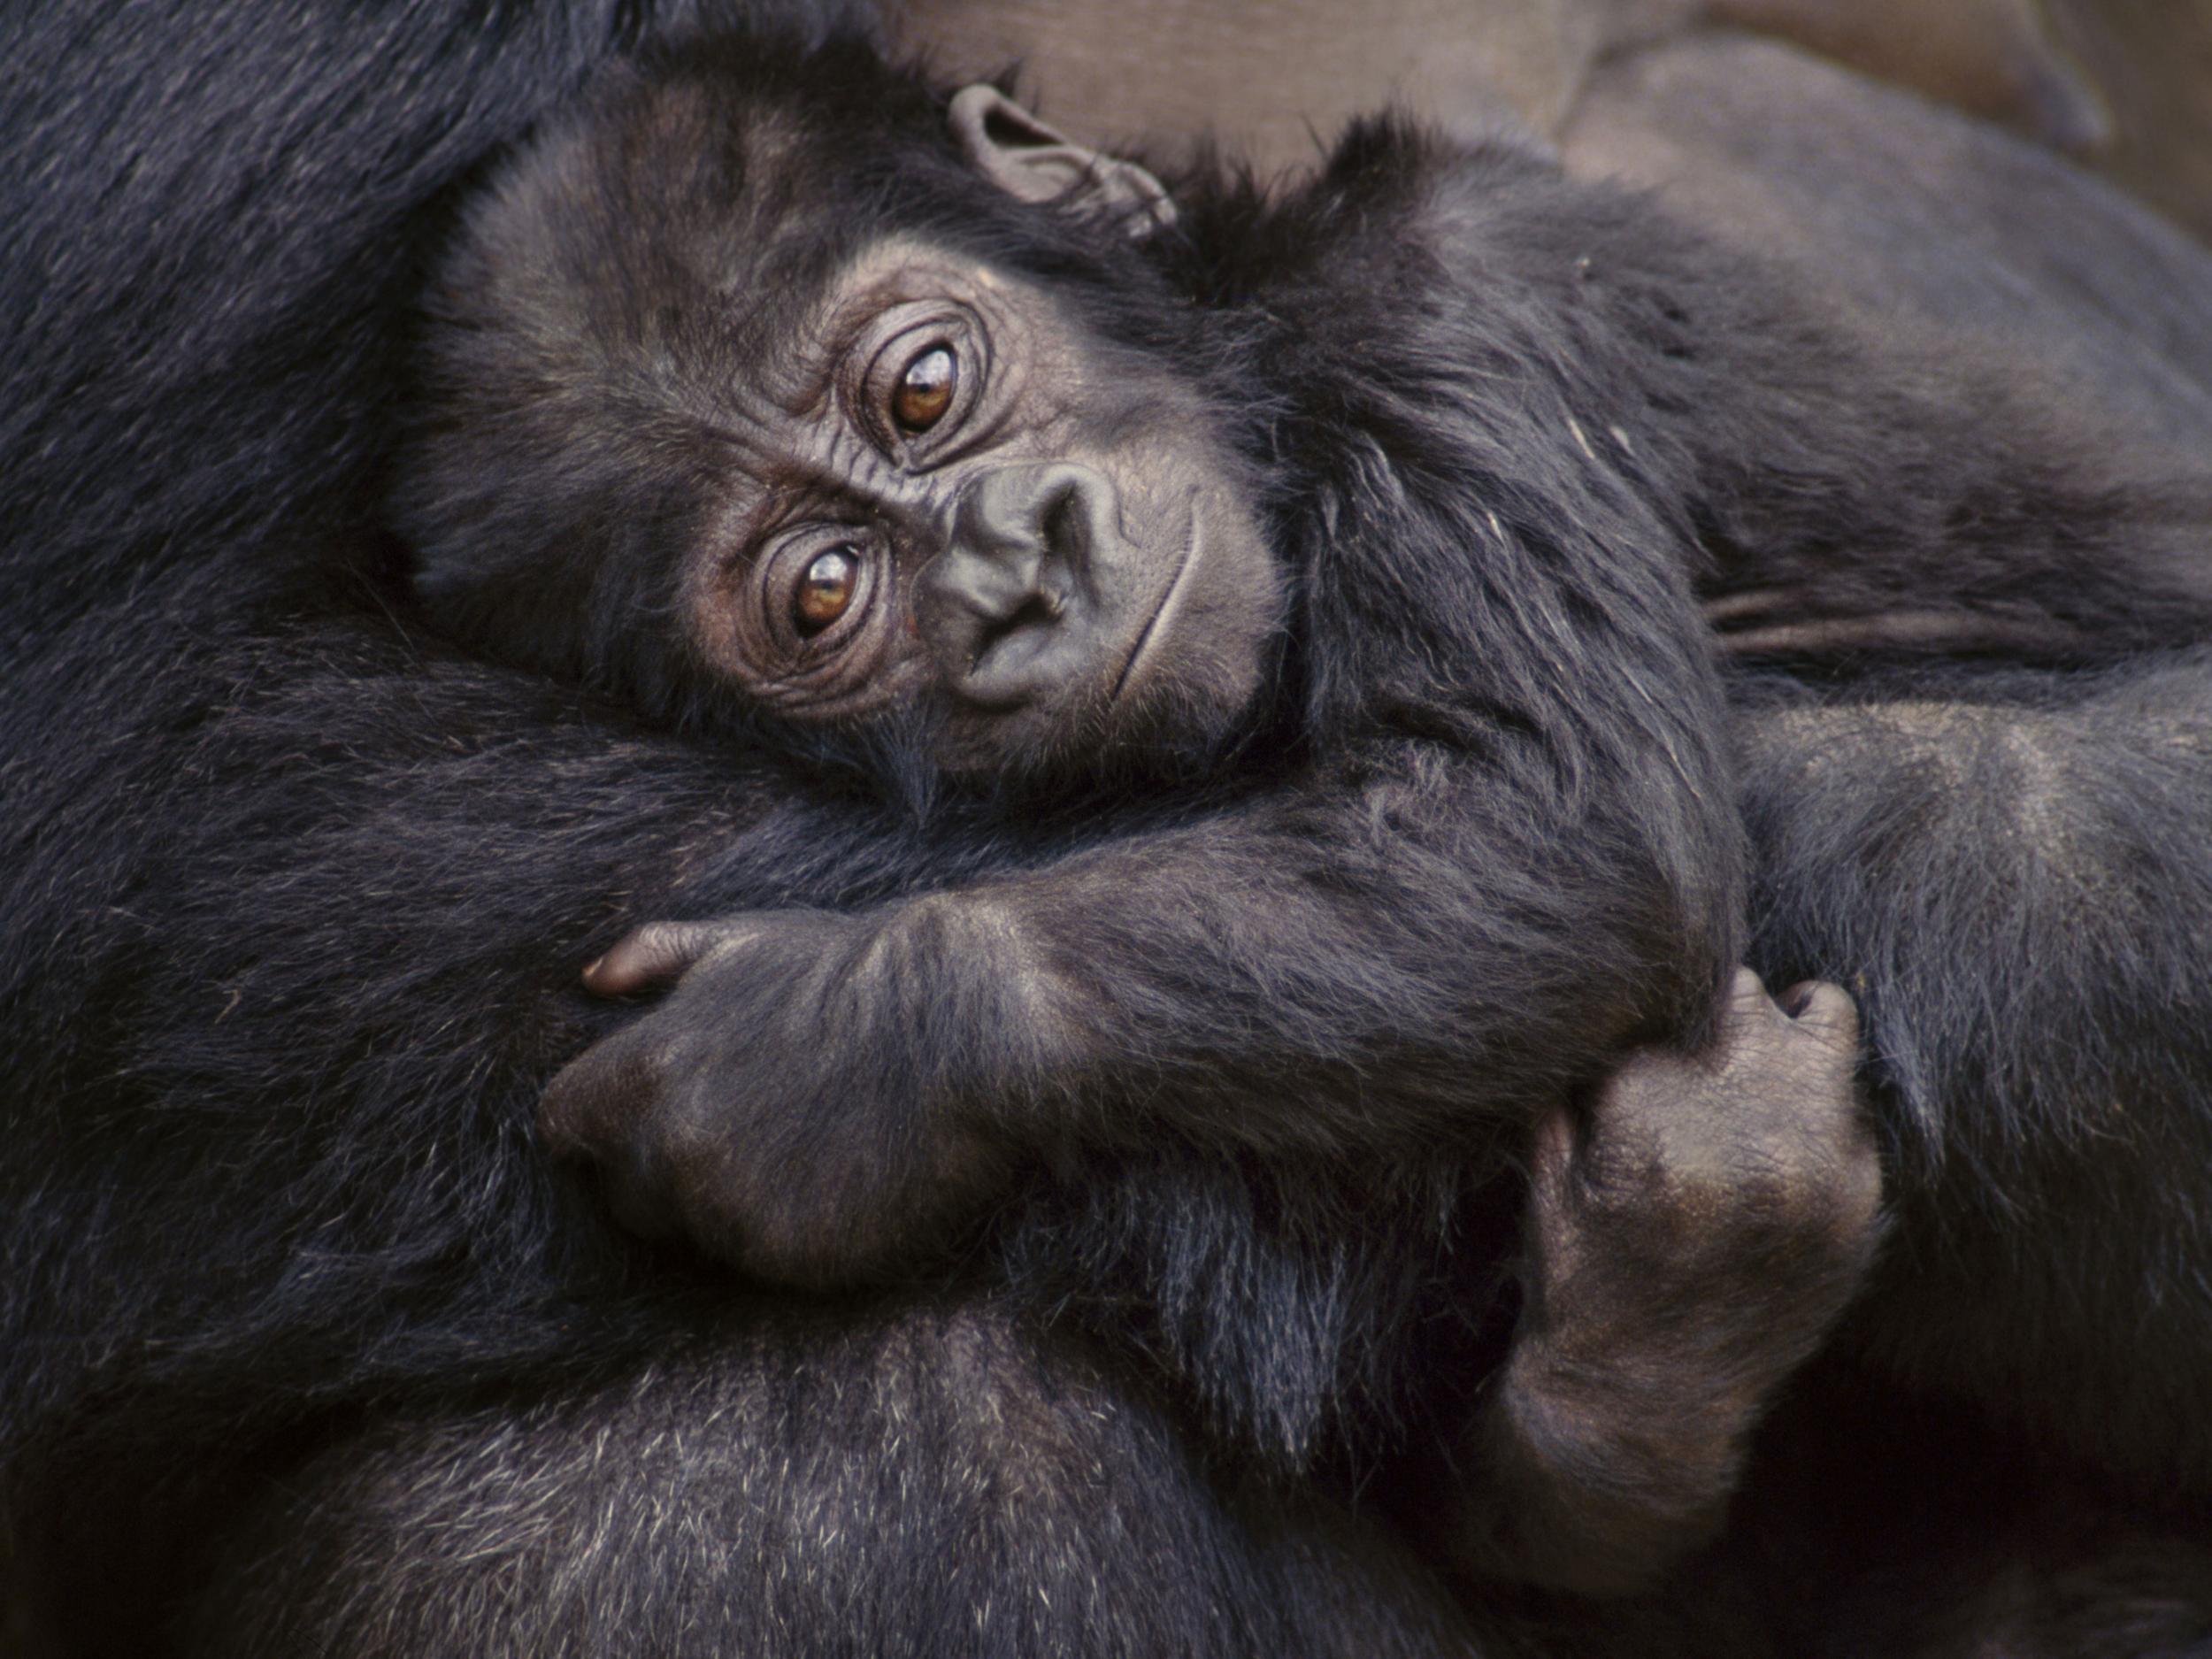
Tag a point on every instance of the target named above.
point(942, 491)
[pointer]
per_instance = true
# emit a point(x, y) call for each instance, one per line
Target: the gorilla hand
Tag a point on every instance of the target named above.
point(1688, 1247)
point(771, 1108)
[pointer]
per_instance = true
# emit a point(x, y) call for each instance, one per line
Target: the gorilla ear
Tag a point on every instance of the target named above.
point(1027, 159)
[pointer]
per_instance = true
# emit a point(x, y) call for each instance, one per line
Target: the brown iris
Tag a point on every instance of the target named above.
point(925, 389)
point(826, 592)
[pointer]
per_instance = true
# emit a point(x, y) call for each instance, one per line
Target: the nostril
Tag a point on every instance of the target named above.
point(1036, 615)
point(1061, 529)
point(1009, 655)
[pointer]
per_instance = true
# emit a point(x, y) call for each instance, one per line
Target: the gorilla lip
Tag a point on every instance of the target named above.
point(1160, 612)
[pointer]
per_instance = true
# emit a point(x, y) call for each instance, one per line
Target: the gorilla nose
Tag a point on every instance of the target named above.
point(1010, 608)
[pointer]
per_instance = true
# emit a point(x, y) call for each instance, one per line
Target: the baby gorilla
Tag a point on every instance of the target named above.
point(1304, 593)
point(1353, 757)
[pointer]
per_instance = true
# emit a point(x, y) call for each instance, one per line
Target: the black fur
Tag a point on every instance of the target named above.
point(304, 1346)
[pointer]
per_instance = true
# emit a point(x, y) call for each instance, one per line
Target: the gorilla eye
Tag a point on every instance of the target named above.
point(826, 591)
point(925, 389)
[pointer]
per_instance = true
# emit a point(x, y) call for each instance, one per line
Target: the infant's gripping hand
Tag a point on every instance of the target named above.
point(771, 1108)
point(1688, 1247)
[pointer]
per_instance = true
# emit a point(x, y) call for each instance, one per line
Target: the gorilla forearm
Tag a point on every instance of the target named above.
point(2017, 892)
point(1387, 917)
point(1383, 966)
point(1420, 961)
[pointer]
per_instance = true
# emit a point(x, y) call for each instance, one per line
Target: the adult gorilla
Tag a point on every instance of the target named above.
point(238, 1235)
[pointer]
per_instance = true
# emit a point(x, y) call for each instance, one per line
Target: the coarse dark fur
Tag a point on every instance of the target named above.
point(304, 1349)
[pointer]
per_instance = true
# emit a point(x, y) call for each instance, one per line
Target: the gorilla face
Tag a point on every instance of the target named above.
point(963, 501)
point(699, 438)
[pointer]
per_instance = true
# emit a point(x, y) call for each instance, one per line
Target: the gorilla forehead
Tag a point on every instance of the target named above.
point(666, 217)
point(693, 209)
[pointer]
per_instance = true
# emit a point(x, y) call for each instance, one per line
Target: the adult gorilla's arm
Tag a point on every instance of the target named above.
point(2016, 889)
point(216, 220)
point(295, 951)
point(293, 914)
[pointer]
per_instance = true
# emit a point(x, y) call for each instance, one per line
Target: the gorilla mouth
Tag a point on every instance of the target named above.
point(1162, 613)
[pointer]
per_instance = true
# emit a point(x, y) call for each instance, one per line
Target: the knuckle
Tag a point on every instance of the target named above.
point(1619, 1166)
point(1649, 1089)
point(722, 940)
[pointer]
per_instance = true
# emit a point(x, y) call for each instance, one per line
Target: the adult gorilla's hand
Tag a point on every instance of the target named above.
point(770, 1109)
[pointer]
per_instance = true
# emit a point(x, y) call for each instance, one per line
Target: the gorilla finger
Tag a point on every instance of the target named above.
point(657, 953)
point(1744, 986)
point(1750, 1007)
point(593, 1099)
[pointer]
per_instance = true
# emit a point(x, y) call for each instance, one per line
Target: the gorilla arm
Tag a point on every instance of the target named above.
point(1396, 957)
